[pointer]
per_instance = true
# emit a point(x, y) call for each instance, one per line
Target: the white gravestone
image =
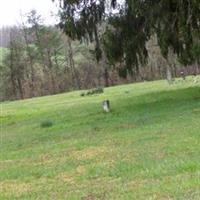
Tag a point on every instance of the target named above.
point(106, 105)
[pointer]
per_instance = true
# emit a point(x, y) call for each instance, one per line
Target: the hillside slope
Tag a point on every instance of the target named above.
point(65, 147)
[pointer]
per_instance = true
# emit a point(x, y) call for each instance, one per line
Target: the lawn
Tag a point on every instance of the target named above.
point(64, 146)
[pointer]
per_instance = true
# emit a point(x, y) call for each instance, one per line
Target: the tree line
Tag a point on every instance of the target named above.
point(39, 60)
point(94, 46)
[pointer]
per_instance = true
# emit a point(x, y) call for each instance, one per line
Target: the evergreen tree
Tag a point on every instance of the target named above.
point(175, 23)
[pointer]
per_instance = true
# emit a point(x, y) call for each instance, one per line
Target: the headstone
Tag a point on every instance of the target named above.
point(183, 75)
point(106, 105)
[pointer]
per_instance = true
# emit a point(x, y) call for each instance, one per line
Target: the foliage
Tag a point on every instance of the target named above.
point(98, 90)
point(80, 19)
point(46, 123)
point(175, 23)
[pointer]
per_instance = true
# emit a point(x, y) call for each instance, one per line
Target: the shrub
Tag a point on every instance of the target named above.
point(98, 90)
point(46, 124)
point(93, 91)
point(82, 94)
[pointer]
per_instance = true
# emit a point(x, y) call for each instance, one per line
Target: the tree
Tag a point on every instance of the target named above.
point(15, 61)
point(176, 25)
point(48, 44)
point(79, 20)
point(31, 55)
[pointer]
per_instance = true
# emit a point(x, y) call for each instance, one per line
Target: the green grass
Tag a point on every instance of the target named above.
point(148, 147)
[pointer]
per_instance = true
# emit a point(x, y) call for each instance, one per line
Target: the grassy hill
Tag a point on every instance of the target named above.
point(65, 147)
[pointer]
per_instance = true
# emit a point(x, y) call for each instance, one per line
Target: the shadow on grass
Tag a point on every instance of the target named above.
point(145, 108)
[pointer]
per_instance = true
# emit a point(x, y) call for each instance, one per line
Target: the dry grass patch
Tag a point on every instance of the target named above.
point(69, 177)
point(88, 153)
point(94, 197)
point(66, 177)
point(159, 196)
point(127, 126)
point(15, 188)
point(142, 182)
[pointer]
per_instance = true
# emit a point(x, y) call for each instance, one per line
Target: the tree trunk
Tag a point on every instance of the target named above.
point(20, 88)
point(50, 66)
point(13, 85)
point(32, 82)
point(75, 77)
point(53, 82)
point(106, 77)
point(169, 74)
point(196, 67)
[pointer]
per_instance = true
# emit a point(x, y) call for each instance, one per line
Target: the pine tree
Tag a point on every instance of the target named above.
point(175, 23)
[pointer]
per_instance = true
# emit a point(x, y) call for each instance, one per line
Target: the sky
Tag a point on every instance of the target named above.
point(11, 11)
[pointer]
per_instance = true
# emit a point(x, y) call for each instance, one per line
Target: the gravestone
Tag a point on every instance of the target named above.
point(182, 75)
point(106, 105)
